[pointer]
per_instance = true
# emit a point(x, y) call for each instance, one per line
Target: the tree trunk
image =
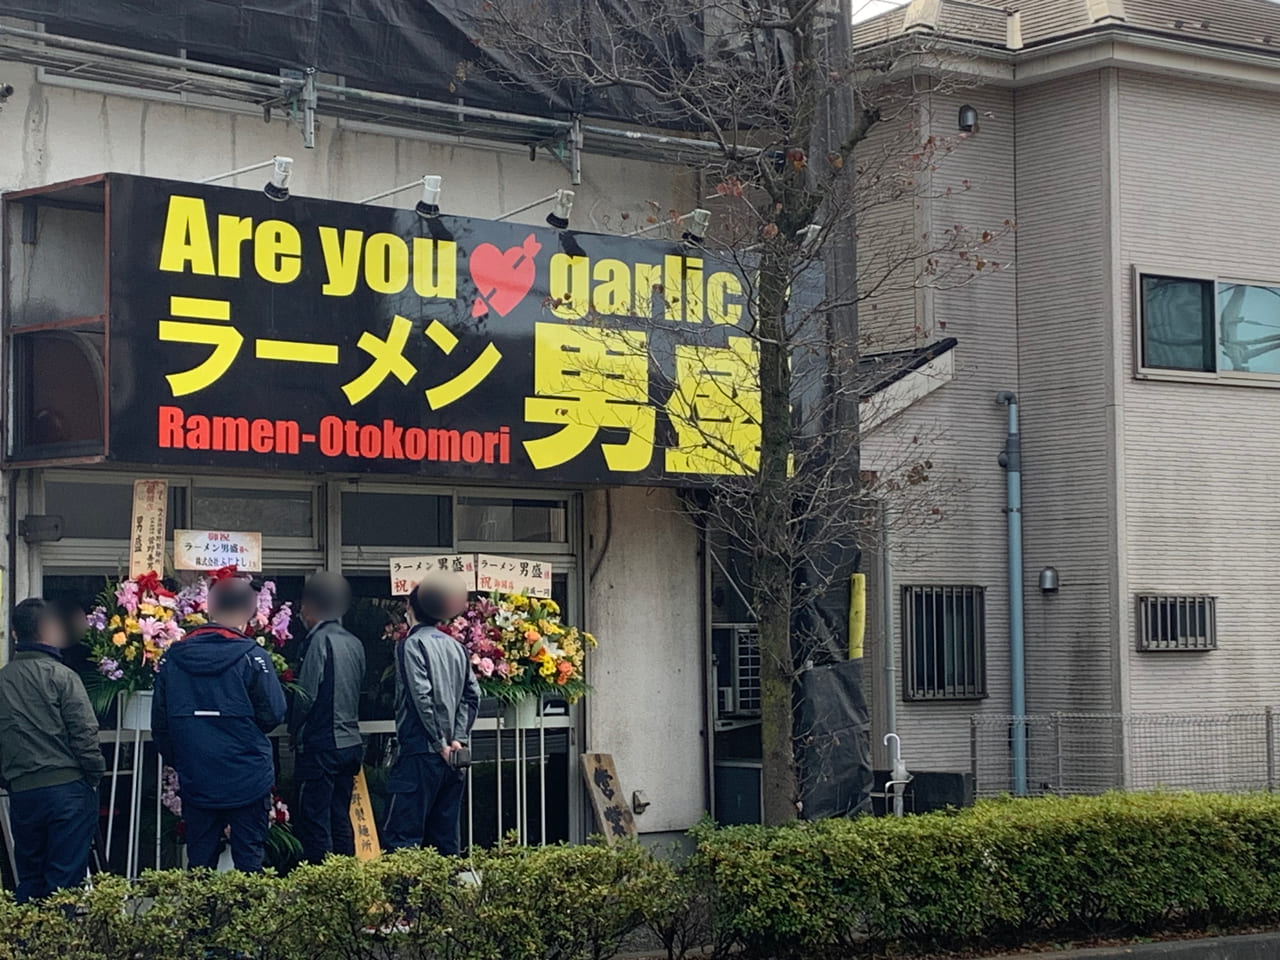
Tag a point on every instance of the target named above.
point(772, 575)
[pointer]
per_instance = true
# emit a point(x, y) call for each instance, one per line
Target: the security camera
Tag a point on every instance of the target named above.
point(6, 91)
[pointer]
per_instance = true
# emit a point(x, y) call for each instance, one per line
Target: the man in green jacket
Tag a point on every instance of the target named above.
point(50, 761)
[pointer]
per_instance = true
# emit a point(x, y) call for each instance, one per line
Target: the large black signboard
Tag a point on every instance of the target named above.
point(309, 335)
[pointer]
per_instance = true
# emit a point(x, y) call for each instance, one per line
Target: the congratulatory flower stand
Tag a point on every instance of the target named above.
point(134, 622)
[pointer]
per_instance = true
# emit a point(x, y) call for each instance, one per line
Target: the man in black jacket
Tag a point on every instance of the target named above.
point(325, 722)
point(50, 760)
point(216, 699)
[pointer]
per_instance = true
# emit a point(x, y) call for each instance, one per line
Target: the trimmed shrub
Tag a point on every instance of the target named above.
point(1001, 873)
point(1004, 871)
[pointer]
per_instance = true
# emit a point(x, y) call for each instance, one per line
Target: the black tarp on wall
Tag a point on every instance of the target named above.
point(409, 47)
point(834, 735)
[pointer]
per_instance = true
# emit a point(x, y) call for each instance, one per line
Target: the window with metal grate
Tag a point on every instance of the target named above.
point(1173, 623)
point(944, 640)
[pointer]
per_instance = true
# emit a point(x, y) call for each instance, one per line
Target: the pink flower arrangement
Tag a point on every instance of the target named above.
point(137, 620)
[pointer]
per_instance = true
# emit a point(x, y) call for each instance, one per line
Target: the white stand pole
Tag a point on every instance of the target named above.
point(471, 807)
point(115, 778)
point(7, 825)
point(502, 722)
point(542, 778)
point(159, 800)
point(521, 819)
point(135, 811)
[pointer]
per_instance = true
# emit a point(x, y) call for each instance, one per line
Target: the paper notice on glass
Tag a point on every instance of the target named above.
point(407, 571)
point(147, 528)
point(513, 575)
point(210, 550)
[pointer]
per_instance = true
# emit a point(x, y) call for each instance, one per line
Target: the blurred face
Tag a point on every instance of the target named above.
point(53, 631)
point(307, 614)
point(237, 618)
point(456, 602)
point(77, 625)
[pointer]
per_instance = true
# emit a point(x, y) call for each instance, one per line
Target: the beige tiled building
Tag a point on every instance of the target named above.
point(1134, 142)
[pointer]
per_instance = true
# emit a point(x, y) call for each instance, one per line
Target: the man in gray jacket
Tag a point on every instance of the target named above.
point(50, 761)
point(437, 698)
point(325, 723)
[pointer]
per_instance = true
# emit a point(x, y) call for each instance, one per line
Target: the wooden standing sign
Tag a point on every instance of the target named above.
point(147, 529)
point(613, 815)
point(362, 825)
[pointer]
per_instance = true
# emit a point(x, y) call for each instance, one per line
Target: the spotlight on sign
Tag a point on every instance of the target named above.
point(429, 206)
point(559, 217)
point(277, 188)
point(699, 222)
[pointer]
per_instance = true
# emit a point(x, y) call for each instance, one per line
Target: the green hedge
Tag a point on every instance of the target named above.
point(1001, 873)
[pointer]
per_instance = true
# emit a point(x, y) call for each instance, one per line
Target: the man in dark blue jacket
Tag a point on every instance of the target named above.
point(325, 721)
point(216, 699)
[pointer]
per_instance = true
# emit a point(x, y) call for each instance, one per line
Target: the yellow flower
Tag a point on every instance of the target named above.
point(114, 622)
point(131, 624)
point(548, 668)
point(147, 609)
point(551, 607)
point(118, 638)
point(518, 601)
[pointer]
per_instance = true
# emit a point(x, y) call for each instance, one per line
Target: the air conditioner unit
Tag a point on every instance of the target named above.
point(746, 670)
point(725, 701)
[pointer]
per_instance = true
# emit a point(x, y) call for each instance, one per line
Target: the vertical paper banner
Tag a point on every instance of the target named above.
point(366, 831)
point(147, 530)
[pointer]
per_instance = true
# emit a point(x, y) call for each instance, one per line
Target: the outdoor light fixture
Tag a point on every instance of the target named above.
point(969, 119)
point(1049, 580)
point(559, 217)
point(277, 188)
point(699, 222)
point(429, 206)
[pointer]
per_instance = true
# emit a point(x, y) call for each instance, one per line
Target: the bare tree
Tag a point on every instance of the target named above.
point(769, 406)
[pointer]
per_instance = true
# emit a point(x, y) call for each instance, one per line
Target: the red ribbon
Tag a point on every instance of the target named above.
point(150, 583)
point(222, 573)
